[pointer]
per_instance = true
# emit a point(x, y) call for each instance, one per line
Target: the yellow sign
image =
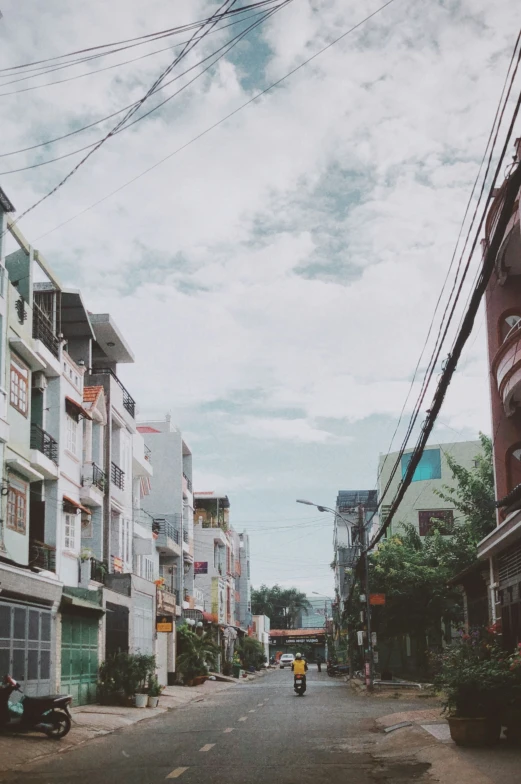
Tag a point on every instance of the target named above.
point(164, 623)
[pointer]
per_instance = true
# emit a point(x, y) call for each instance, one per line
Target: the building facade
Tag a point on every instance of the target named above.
point(500, 552)
point(421, 507)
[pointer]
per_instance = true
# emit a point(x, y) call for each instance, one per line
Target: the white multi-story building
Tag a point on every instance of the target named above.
point(170, 505)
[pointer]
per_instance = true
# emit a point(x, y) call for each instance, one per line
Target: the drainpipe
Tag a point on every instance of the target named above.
point(493, 586)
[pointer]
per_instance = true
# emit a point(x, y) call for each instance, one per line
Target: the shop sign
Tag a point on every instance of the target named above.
point(200, 567)
point(165, 623)
point(377, 599)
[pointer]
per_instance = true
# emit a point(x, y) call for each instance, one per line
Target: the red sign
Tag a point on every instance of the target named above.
point(117, 564)
point(377, 599)
point(200, 567)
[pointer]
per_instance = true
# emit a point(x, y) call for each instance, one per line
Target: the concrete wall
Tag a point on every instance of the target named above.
point(421, 494)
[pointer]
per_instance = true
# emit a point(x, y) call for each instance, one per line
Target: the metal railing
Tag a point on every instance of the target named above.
point(129, 404)
point(44, 443)
point(42, 555)
point(117, 476)
point(188, 482)
point(43, 330)
point(185, 535)
point(165, 528)
point(99, 478)
point(98, 570)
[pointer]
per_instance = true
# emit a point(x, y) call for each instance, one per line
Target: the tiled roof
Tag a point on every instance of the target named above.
point(91, 394)
point(147, 429)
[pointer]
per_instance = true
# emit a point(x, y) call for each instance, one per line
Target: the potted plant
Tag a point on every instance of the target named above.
point(476, 679)
point(145, 666)
point(196, 652)
point(154, 691)
point(118, 679)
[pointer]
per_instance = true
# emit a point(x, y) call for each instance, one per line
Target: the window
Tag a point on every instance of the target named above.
point(70, 531)
point(429, 466)
point(19, 387)
point(72, 434)
point(17, 507)
point(443, 519)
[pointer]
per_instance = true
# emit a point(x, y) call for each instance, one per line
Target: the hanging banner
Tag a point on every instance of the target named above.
point(200, 567)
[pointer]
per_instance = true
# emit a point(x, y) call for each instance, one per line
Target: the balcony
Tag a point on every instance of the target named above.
point(42, 556)
point(44, 443)
point(44, 452)
point(168, 537)
point(43, 330)
point(141, 463)
point(129, 404)
point(117, 476)
point(187, 485)
point(506, 367)
point(94, 485)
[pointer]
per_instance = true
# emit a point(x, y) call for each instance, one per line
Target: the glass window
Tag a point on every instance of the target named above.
point(70, 531)
point(442, 519)
point(429, 466)
point(17, 508)
point(19, 387)
point(72, 434)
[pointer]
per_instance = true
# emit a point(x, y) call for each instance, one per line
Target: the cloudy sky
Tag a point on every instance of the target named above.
point(277, 277)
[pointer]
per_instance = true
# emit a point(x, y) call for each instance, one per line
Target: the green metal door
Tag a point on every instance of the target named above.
point(79, 670)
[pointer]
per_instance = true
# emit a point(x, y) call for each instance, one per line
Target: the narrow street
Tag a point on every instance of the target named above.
point(254, 732)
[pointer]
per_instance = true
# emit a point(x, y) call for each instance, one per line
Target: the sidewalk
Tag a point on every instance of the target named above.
point(91, 721)
point(428, 740)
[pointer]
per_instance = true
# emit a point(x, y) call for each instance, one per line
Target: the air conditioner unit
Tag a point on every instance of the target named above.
point(39, 381)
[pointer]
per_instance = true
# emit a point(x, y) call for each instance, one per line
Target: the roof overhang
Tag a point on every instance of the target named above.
point(5, 203)
point(24, 468)
point(75, 321)
point(110, 344)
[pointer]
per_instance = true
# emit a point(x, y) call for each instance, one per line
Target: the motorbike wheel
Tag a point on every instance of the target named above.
point(60, 725)
point(331, 674)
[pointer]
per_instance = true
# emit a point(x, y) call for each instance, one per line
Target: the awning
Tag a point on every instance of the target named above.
point(76, 504)
point(71, 602)
point(78, 407)
point(210, 617)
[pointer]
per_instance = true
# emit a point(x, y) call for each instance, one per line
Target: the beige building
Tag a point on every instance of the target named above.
point(421, 505)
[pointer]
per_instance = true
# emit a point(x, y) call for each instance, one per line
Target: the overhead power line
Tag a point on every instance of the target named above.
point(218, 54)
point(185, 51)
point(222, 120)
point(71, 64)
point(146, 38)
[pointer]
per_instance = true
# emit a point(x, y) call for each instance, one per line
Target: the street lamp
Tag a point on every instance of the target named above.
point(321, 508)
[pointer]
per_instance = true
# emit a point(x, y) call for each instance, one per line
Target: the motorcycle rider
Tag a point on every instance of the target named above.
point(300, 666)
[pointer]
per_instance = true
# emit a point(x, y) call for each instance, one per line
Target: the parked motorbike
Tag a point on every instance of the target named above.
point(299, 685)
point(334, 670)
point(49, 714)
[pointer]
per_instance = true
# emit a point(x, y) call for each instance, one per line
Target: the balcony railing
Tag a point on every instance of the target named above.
point(98, 570)
point(43, 556)
point(117, 476)
point(185, 535)
point(167, 529)
point(128, 401)
point(43, 330)
point(188, 482)
point(99, 478)
point(44, 443)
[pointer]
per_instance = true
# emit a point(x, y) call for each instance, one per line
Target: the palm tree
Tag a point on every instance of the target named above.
point(197, 652)
point(281, 605)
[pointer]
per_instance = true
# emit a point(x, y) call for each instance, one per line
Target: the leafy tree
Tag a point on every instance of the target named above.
point(414, 572)
point(251, 652)
point(281, 605)
point(197, 652)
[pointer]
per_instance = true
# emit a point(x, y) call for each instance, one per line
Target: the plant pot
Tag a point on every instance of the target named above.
point(511, 720)
point(141, 700)
point(199, 680)
point(153, 702)
point(475, 732)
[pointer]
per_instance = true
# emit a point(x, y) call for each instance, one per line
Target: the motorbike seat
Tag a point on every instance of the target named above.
point(52, 699)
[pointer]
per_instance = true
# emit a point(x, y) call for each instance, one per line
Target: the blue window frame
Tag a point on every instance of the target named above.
point(429, 466)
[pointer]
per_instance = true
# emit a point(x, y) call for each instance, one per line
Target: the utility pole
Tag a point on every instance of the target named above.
point(368, 649)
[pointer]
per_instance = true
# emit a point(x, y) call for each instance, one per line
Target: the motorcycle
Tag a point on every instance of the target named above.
point(299, 685)
point(334, 670)
point(49, 714)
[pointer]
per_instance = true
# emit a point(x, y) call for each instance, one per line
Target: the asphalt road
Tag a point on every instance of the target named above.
point(257, 732)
